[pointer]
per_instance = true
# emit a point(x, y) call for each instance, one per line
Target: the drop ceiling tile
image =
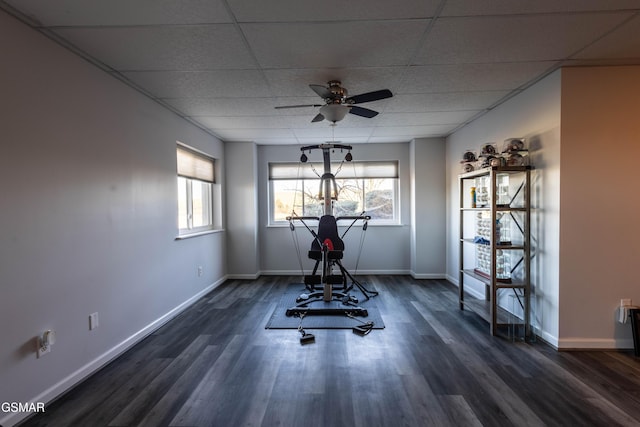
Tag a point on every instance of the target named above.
point(412, 131)
point(334, 44)
point(353, 132)
point(624, 42)
point(190, 47)
point(419, 119)
point(513, 38)
point(318, 131)
point(390, 139)
point(472, 77)
point(321, 140)
point(201, 84)
point(277, 141)
point(327, 133)
point(330, 10)
point(367, 44)
point(254, 134)
point(313, 140)
point(353, 141)
point(223, 107)
point(507, 7)
point(123, 12)
point(244, 122)
point(450, 101)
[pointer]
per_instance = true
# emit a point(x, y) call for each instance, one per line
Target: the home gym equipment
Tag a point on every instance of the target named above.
point(306, 337)
point(327, 250)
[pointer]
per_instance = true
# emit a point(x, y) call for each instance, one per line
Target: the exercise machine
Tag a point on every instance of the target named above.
point(328, 286)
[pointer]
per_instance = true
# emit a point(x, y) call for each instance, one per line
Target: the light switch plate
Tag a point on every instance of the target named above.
point(93, 321)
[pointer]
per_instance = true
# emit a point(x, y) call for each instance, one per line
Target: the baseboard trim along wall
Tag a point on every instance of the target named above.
point(594, 344)
point(423, 276)
point(90, 368)
point(253, 276)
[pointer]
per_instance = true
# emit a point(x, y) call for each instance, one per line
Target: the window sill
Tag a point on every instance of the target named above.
point(198, 233)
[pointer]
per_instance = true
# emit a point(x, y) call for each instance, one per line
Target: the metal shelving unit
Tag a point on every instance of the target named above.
point(512, 277)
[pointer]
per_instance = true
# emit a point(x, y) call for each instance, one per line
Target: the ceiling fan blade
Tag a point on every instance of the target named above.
point(363, 112)
point(370, 96)
point(298, 106)
point(318, 118)
point(322, 91)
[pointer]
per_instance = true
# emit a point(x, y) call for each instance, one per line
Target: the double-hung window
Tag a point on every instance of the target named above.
point(196, 176)
point(369, 186)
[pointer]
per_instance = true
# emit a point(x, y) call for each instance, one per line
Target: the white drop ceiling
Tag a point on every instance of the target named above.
point(225, 64)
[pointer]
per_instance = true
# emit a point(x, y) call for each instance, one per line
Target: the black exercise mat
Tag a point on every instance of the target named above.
point(279, 319)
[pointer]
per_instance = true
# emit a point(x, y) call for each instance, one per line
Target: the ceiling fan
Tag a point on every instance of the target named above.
point(338, 103)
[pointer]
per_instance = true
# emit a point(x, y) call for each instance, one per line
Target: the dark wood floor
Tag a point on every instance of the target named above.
point(433, 365)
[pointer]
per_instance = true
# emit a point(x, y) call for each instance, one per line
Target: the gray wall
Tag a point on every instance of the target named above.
point(89, 216)
point(242, 210)
point(428, 207)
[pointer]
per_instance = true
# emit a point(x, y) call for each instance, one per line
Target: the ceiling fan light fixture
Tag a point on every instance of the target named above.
point(334, 112)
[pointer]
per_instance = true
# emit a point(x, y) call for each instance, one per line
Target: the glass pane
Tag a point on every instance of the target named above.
point(349, 198)
point(182, 203)
point(287, 197)
point(201, 199)
point(379, 198)
point(312, 205)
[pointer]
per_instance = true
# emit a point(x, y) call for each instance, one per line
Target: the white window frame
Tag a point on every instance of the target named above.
point(289, 171)
point(194, 168)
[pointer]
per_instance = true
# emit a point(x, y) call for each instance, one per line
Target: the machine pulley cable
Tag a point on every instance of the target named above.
point(294, 235)
point(361, 246)
point(296, 243)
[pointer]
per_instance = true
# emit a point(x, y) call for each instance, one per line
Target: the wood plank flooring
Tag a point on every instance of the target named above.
point(433, 365)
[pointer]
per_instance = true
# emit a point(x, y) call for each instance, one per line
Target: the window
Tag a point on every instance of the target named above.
point(195, 191)
point(362, 186)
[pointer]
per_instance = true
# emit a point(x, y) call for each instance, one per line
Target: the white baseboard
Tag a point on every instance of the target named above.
point(250, 276)
point(76, 377)
point(420, 276)
point(594, 344)
point(549, 339)
point(283, 272)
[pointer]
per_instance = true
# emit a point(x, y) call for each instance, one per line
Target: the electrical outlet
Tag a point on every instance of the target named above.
point(200, 271)
point(41, 350)
point(93, 321)
point(625, 302)
point(44, 342)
